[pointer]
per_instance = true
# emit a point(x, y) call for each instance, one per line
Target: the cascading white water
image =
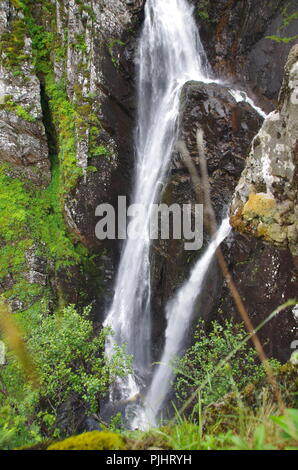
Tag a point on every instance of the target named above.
point(240, 95)
point(179, 315)
point(170, 54)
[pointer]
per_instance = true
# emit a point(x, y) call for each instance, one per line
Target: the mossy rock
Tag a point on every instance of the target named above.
point(95, 440)
point(261, 206)
point(222, 415)
point(148, 440)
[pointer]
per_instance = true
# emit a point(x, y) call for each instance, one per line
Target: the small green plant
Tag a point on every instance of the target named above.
point(18, 109)
point(111, 45)
point(80, 43)
point(202, 10)
point(116, 423)
point(288, 18)
point(258, 441)
point(200, 360)
point(289, 424)
point(282, 39)
point(100, 150)
point(204, 15)
point(71, 365)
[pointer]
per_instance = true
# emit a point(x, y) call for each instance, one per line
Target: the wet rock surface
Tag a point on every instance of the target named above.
point(265, 206)
point(235, 33)
point(265, 201)
point(94, 58)
point(266, 278)
point(228, 128)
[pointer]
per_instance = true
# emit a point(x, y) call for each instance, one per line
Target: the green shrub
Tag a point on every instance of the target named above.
point(72, 366)
point(71, 361)
point(200, 360)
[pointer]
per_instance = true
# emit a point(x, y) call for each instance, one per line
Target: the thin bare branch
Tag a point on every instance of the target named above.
point(202, 185)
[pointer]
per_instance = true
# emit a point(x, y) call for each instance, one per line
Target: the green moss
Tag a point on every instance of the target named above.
point(112, 43)
point(18, 109)
point(64, 116)
point(80, 43)
point(95, 440)
point(99, 150)
point(12, 45)
point(202, 10)
point(30, 215)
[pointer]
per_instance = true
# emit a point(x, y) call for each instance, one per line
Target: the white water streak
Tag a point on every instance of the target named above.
point(170, 54)
point(242, 96)
point(179, 315)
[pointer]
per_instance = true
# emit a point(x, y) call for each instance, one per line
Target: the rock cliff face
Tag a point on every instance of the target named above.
point(67, 111)
point(265, 276)
point(235, 35)
point(265, 206)
point(229, 128)
point(265, 202)
point(66, 117)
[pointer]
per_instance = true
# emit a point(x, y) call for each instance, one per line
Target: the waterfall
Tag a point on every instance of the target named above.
point(170, 54)
point(179, 315)
point(240, 95)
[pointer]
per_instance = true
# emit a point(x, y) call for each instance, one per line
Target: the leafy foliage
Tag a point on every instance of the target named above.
point(282, 39)
point(258, 431)
point(288, 423)
point(288, 18)
point(72, 367)
point(201, 359)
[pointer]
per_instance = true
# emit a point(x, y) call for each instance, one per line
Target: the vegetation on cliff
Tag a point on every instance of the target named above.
point(55, 373)
point(72, 373)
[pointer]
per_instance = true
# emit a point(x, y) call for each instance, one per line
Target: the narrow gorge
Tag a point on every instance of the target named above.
point(99, 100)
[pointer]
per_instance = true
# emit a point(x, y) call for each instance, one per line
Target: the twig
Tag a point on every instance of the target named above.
point(221, 363)
point(212, 228)
point(4, 388)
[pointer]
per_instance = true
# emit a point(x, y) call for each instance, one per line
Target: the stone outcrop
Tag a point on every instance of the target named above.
point(66, 119)
point(236, 38)
point(265, 201)
point(229, 128)
point(265, 276)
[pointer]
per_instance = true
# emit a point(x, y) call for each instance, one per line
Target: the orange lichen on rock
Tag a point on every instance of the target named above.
point(259, 206)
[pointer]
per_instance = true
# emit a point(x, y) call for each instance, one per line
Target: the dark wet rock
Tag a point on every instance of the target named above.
point(266, 278)
point(265, 201)
point(235, 33)
point(229, 128)
point(264, 206)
